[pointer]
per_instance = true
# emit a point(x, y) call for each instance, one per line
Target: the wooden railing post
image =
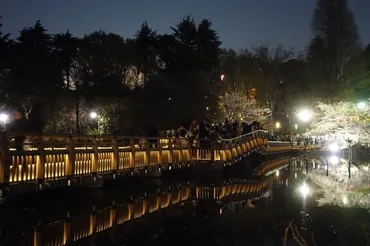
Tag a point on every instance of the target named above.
point(5, 159)
point(160, 156)
point(147, 152)
point(180, 151)
point(132, 154)
point(213, 151)
point(71, 157)
point(170, 147)
point(41, 160)
point(115, 156)
point(95, 157)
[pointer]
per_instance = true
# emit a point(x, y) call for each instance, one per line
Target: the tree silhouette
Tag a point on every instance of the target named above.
point(145, 40)
point(34, 74)
point(335, 42)
point(66, 48)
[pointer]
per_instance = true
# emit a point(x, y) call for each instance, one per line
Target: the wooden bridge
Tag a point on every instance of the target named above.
point(75, 160)
point(149, 210)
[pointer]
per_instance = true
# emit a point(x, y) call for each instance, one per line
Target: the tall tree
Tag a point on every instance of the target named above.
point(34, 74)
point(145, 51)
point(66, 48)
point(5, 49)
point(335, 41)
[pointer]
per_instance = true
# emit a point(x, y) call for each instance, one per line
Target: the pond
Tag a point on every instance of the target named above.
point(280, 209)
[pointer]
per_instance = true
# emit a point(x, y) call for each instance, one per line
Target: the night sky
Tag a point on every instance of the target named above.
point(240, 23)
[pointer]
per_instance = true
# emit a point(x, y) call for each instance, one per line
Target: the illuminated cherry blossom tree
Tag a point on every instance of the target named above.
point(237, 105)
point(343, 121)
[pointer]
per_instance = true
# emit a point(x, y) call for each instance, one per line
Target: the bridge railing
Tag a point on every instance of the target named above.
point(61, 157)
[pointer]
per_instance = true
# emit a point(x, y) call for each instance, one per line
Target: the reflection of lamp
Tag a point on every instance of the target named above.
point(304, 190)
point(333, 160)
point(277, 173)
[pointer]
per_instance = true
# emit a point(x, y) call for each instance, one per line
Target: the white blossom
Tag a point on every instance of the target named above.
point(339, 190)
point(342, 121)
point(237, 105)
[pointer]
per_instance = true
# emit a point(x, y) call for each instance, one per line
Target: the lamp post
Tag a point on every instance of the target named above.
point(4, 119)
point(95, 116)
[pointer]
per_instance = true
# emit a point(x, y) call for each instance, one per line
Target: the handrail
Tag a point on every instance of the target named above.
point(243, 136)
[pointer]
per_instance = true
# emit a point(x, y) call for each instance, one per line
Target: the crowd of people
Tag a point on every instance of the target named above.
point(215, 131)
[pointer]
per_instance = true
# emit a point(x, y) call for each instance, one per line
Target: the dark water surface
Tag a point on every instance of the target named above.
point(153, 212)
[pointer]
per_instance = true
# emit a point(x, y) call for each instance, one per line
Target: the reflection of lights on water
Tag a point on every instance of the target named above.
point(345, 200)
point(304, 190)
point(295, 175)
point(277, 173)
point(220, 212)
point(334, 160)
point(286, 182)
point(334, 147)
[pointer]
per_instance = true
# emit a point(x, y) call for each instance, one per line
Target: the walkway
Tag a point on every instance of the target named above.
point(74, 160)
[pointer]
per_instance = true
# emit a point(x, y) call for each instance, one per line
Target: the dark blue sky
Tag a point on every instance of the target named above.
point(240, 23)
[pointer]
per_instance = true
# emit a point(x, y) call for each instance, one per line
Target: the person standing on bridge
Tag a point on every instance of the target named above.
point(35, 123)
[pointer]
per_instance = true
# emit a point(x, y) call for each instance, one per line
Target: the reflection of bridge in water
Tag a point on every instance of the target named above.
point(75, 160)
point(172, 202)
point(149, 210)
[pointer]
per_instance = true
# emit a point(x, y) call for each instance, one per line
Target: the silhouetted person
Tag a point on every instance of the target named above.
point(35, 122)
point(152, 133)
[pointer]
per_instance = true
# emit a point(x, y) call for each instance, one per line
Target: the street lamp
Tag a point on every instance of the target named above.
point(305, 115)
point(94, 115)
point(4, 119)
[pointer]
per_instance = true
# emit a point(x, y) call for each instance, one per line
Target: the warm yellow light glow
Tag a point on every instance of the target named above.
point(277, 125)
